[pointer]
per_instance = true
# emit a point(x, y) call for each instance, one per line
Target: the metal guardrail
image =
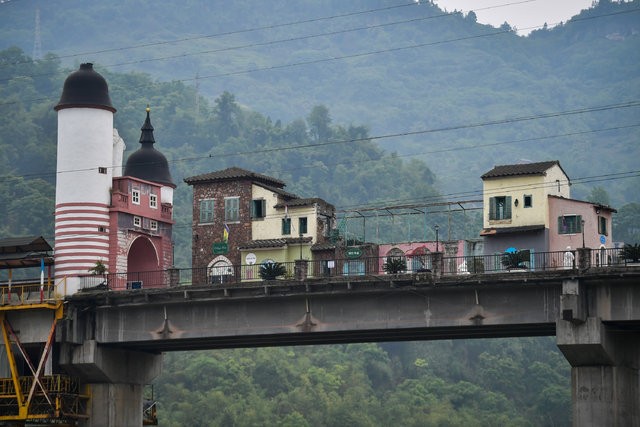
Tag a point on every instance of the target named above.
point(481, 264)
point(27, 293)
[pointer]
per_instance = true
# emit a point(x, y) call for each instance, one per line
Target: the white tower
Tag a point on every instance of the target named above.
point(83, 175)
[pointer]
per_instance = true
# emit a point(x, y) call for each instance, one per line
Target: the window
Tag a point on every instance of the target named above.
point(154, 225)
point(602, 225)
point(102, 170)
point(286, 226)
point(569, 224)
point(500, 208)
point(231, 209)
point(302, 225)
point(258, 208)
point(137, 221)
point(206, 211)
point(153, 201)
point(528, 200)
point(102, 230)
point(135, 197)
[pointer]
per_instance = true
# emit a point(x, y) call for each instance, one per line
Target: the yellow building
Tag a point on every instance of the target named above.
point(529, 207)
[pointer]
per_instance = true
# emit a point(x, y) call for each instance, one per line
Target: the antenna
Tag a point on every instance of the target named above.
point(37, 41)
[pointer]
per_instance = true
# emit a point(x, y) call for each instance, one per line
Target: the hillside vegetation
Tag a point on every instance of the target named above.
point(413, 107)
point(461, 96)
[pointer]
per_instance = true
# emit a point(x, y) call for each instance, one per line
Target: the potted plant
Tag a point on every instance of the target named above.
point(99, 269)
point(631, 252)
point(394, 265)
point(515, 261)
point(271, 270)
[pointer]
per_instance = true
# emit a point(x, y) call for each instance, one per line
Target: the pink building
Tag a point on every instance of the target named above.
point(122, 220)
point(418, 254)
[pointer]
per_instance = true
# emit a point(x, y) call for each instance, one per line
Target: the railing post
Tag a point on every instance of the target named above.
point(174, 277)
point(584, 258)
point(438, 264)
point(300, 269)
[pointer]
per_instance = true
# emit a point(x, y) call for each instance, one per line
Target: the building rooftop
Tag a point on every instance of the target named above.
point(538, 168)
point(234, 173)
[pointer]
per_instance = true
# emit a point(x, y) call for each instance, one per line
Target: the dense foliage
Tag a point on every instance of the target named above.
point(442, 101)
point(458, 95)
point(505, 382)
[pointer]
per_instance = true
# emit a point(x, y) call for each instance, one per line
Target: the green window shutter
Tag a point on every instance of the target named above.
point(302, 225)
point(253, 208)
point(286, 226)
point(206, 211)
point(560, 225)
point(578, 223)
point(492, 208)
point(507, 207)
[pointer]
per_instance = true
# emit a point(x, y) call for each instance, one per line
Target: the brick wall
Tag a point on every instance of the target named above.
point(204, 235)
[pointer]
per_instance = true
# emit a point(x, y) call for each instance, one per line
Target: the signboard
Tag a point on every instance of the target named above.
point(220, 248)
point(250, 258)
point(353, 253)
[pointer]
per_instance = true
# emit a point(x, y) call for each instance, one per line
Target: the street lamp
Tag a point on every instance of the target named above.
point(437, 227)
point(583, 234)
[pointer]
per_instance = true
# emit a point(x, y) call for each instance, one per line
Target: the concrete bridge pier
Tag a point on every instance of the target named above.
point(605, 376)
point(116, 379)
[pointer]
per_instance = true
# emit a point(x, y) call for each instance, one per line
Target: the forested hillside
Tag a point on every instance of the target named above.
point(505, 382)
point(459, 95)
point(370, 102)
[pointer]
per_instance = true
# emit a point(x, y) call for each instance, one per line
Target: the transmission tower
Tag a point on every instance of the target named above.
point(197, 93)
point(37, 42)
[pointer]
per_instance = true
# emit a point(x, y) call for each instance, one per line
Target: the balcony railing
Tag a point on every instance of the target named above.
point(430, 263)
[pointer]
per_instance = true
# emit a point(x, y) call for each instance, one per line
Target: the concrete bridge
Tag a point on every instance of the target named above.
point(114, 340)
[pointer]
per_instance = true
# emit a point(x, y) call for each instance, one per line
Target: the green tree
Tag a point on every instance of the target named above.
point(599, 195)
point(626, 222)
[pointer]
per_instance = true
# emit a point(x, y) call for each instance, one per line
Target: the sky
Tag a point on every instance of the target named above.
point(521, 14)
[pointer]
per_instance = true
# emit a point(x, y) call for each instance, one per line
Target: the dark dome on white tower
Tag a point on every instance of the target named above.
point(148, 163)
point(85, 88)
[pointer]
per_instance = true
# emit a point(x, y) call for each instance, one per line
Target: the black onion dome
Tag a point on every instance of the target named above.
point(148, 163)
point(85, 88)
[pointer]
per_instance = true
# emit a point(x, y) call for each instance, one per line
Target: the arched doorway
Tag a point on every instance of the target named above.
point(142, 265)
point(220, 270)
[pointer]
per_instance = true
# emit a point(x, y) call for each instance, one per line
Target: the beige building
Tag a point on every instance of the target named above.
point(529, 207)
point(242, 220)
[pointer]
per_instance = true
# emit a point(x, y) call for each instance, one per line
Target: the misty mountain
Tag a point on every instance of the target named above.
point(459, 95)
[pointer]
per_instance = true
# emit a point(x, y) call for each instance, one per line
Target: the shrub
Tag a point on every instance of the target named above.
point(516, 259)
point(271, 270)
point(394, 265)
point(631, 252)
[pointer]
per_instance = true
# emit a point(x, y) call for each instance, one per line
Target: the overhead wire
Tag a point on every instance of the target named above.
point(628, 104)
point(274, 26)
point(337, 58)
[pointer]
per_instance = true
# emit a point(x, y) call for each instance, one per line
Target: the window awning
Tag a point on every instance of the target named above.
point(508, 230)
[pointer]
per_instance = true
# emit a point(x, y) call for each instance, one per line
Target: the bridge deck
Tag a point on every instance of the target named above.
point(353, 309)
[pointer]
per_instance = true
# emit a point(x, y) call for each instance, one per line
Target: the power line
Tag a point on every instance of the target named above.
point(312, 62)
point(628, 104)
point(228, 33)
point(475, 193)
point(275, 26)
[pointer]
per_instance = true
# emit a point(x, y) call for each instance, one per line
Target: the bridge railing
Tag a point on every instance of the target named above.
point(480, 264)
point(27, 293)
